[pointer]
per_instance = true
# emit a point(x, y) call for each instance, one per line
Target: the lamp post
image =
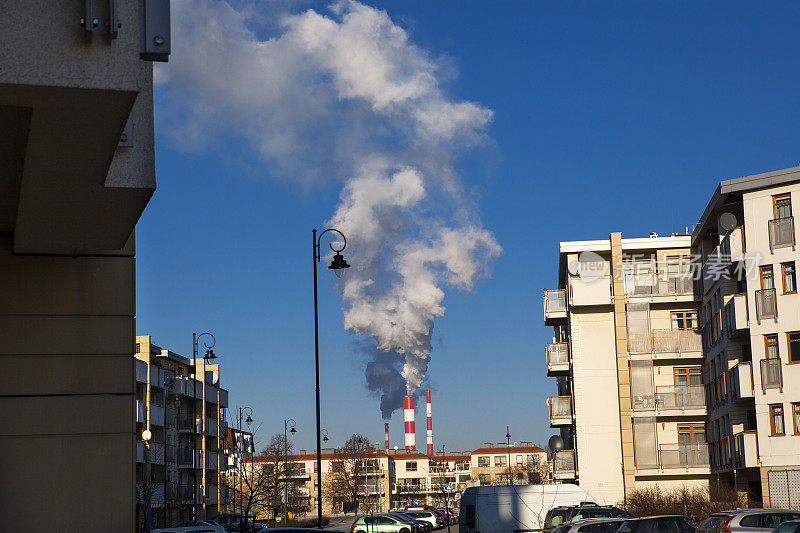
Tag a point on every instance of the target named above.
point(286, 425)
point(338, 265)
point(508, 452)
point(209, 355)
point(248, 421)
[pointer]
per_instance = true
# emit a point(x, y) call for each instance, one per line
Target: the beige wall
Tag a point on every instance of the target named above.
point(67, 442)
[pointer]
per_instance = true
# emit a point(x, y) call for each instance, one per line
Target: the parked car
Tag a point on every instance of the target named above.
point(381, 523)
point(294, 530)
point(658, 524)
point(192, 526)
point(423, 524)
point(752, 520)
point(427, 516)
point(790, 526)
point(591, 525)
point(569, 513)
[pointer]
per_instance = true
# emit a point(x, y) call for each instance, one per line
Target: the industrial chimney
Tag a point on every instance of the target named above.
point(386, 431)
point(430, 424)
point(408, 417)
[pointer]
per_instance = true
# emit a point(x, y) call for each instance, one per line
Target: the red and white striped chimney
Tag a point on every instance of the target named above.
point(386, 431)
point(430, 423)
point(408, 418)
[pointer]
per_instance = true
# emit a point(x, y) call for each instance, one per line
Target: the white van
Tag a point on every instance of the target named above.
point(514, 508)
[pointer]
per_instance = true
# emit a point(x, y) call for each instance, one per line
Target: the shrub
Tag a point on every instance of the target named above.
point(696, 503)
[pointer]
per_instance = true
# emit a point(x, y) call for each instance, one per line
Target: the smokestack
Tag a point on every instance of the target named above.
point(408, 417)
point(386, 431)
point(430, 424)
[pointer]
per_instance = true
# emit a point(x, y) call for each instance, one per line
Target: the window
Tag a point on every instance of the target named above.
point(771, 345)
point(789, 278)
point(684, 319)
point(688, 376)
point(782, 205)
point(776, 419)
point(485, 479)
point(767, 281)
point(532, 459)
point(519, 460)
point(796, 417)
point(499, 460)
point(138, 348)
point(691, 433)
point(483, 460)
point(793, 343)
point(411, 466)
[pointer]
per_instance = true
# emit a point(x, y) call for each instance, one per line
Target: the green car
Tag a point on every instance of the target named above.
point(380, 523)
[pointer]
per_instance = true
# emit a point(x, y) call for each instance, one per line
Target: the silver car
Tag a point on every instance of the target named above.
point(591, 525)
point(792, 526)
point(747, 520)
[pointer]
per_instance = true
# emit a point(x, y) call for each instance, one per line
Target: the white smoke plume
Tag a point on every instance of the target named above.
point(345, 94)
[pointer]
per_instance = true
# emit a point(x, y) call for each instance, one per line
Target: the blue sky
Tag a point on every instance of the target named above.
point(606, 116)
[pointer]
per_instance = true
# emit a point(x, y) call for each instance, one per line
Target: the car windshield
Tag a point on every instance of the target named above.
point(627, 526)
point(555, 519)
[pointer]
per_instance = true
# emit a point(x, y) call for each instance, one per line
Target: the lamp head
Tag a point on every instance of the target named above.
point(325, 438)
point(292, 431)
point(249, 420)
point(210, 355)
point(338, 265)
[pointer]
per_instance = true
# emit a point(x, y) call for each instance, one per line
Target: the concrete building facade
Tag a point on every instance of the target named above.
point(627, 356)
point(181, 402)
point(76, 172)
point(746, 242)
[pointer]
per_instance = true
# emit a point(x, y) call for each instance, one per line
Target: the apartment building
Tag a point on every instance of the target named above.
point(746, 241)
point(181, 403)
point(502, 464)
point(78, 169)
point(627, 357)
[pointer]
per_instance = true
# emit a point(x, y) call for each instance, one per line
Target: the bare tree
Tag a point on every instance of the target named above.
point(148, 488)
point(347, 480)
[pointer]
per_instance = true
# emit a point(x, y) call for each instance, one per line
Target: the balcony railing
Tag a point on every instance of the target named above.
point(781, 233)
point(683, 455)
point(564, 464)
point(771, 374)
point(211, 427)
point(170, 454)
point(658, 284)
point(405, 487)
point(557, 357)
point(555, 304)
point(171, 417)
point(680, 397)
point(676, 341)
point(190, 494)
point(766, 305)
point(185, 422)
point(745, 449)
point(560, 410)
point(189, 458)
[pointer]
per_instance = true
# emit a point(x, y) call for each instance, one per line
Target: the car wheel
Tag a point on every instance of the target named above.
point(405, 530)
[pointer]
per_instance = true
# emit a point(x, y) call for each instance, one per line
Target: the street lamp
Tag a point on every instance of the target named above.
point(286, 425)
point(338, 265)
point(508, 452)
point(245, 449)
point(209, 356)
point(146, 436)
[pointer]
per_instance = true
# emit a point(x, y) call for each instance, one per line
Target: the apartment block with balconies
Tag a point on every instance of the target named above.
point(746, 242)
point(180, 401)
point(627, 357)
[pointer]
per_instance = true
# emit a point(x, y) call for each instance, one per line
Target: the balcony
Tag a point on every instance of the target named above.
point(745, 450)
point(212, 460)
point(223, 398)
point(211, 495)
point(407, 488)
point(655, 285)
point(156, 414)
point(170, 454)
point(190, 458)
point(677, 342)
point(560, 410)
point(781, 233)
point(185, 423)
point(555, 307)
point(564, 464)
point(590, 290)
point(685, 456)
point(189, 494)
point(673, 400)
point(766, 305)
point(211, 427)
point(771, 374)
point(740, 378)
point(735, 315)
point(557, 358)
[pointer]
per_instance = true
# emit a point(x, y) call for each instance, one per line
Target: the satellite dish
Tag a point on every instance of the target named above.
point(555, 443)
point(146, 435)
point(727, 221)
